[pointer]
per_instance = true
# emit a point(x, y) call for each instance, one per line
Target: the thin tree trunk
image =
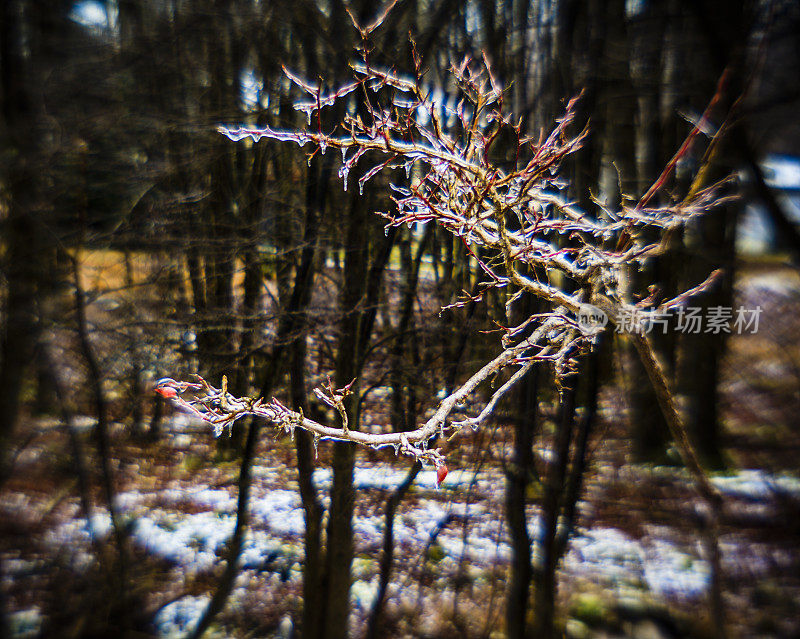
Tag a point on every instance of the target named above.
point(518, 477)
point(374, 630)
point(102, 442)
point(24, 247)
point(545, 573)
point(313, 510)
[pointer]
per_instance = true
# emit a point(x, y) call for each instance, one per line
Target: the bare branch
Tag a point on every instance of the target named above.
point(538, 241)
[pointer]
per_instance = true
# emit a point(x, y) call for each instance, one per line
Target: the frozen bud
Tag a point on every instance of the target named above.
point(441, 473)
point(166, 391)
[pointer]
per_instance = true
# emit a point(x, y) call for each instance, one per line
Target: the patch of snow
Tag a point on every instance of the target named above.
point(179, 617)
point(268, 473)
point(281, 511)
point(192, 541)
point(77, 534)
point(455, 478)
point(217, 499)
point(483, 541)
point(363, 593)
point(128, 500)
point(781, 171)
point(182, 440)
point(180, 422)
point(772, 283)
point(262, 552)
point(90, 14)
point(609, 553)
point(477, 547)
point(79, 530)
point(668, 571)
point(83, 423)
point(25, 624)
point(369, 528)
point(747, 559)
point(757, 485)
point(196, 542)
point(381, 477)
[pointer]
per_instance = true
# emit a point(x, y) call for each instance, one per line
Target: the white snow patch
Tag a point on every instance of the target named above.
point(260, 550)
point(757, 485)
point(128, 500)
point(668, 571)
point(182, 440)
point(773, 283)
point(25, 624)
point(381, 477)
point(607, 552)
point(216, 498)
point(610, 554)
point(363, 593)
point(186, 423)
point(781, 171)
point(281, 511)
point(192, 541)
point(181, 616)
point(79, 530)
point(196, 542)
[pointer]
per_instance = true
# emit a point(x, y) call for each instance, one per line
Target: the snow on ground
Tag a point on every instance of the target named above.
point(25, 624)
point(669, 571)
point(384, 477)
point(77, 533)
point(195, 541)
point(757, 485)
point(609, 554)
point(280, 511)
point(772, 284)
point(363, 593)
point(179, 617)
point(189, 540)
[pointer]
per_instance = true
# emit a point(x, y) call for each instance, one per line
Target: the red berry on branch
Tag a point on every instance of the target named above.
point(441, 473)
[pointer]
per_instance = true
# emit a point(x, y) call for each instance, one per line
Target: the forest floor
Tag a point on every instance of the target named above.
point(635, 567)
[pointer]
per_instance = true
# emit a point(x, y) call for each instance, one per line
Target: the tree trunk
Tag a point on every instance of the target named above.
point(24, 249)
point(519, 474)
point(545, 572)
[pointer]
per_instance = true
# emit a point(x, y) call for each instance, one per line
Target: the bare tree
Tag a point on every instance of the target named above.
point(526, 236)
point(459, 190)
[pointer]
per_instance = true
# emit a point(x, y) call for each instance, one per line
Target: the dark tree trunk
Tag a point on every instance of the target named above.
point(339, 531)
point(313, 510)
point(545, 572)
point(710, 242)
point(24, 249)
point(519, 474)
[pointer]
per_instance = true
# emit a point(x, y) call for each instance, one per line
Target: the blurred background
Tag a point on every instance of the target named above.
point(138, 243)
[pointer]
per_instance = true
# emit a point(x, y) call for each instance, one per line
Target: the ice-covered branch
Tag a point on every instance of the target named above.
point(537, 240)
point(221, 409)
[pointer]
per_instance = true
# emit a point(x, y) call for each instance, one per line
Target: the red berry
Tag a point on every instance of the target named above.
point(441, 473)
point(166, 391)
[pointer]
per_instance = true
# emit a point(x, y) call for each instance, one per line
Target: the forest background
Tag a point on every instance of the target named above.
point(139, 243)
